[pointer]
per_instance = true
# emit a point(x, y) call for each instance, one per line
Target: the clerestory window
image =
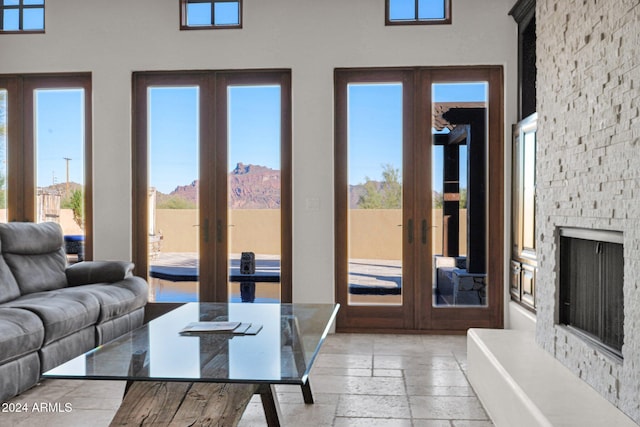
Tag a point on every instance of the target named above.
point(17, 16)
point(210, 14)
point(420, 12)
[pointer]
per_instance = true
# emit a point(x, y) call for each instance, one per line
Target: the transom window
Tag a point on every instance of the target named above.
point(21, 15)
point(211, 14)
point(411, 12)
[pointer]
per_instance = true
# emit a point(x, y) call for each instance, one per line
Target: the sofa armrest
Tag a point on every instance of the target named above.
point(87, 272)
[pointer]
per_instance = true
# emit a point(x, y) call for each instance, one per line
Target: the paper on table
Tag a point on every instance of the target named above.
point(209, 327)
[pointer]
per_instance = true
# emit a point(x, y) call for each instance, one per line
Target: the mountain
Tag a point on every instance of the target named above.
point(254, 187)
point(250, 187)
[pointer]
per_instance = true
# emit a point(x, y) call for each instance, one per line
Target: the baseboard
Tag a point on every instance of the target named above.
point(520, 318)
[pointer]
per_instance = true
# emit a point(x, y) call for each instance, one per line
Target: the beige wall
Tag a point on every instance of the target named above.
point(69, 226)
point(375, 233)
point(111, 39)
point(255, 230)
point(179, 229)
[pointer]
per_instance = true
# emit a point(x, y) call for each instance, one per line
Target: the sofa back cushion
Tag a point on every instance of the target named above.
point(8, 286)
point(35, 254)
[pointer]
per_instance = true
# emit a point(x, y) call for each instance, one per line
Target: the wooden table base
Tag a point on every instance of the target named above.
point(150, 403)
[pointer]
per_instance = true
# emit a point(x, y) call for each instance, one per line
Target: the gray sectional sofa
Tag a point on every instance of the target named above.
point(51, 312)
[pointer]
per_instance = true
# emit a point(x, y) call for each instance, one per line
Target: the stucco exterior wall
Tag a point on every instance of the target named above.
point(589, 169)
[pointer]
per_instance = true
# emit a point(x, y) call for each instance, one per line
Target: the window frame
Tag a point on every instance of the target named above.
point(21, 7)
point(417, 21)
point(213, 26)
point(21, 167)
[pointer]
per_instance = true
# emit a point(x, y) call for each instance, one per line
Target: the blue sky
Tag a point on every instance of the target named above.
point(375, 127)
point(375, 131)
point(59, 124)
point(254, 132)
point(225, 13)
point(406, 10)
point(33, 18)
point(173, 136)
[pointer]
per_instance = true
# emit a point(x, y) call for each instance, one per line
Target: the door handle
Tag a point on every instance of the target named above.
point(410, 231)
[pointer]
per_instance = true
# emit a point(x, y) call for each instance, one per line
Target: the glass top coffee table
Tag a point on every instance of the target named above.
point(198, 377)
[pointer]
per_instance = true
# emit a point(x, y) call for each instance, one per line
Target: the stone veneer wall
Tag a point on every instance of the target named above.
point(588, 163)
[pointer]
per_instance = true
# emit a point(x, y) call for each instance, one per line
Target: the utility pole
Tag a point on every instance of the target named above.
point(67, 188)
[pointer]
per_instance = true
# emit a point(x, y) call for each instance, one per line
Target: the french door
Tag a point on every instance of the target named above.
point(419, 218)
point(212, 182)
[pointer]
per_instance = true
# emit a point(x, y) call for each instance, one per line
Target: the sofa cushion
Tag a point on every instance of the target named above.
point(64, 349)
point(21, 332)
point(88, 272)
point(9, 289)
point(35, 254)
point(117, 299)
point(18, 375)
point(62, 311)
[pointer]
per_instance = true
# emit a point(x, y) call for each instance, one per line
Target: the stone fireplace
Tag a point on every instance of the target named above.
point(588, 175)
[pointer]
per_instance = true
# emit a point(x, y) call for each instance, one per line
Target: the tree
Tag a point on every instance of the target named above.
point(383, 195)
point(175, 202)
point(75, 202)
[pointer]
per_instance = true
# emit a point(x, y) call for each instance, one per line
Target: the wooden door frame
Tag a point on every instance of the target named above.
point(417, 313)
point(354, 318)
point(213, 152)
point(21, 150)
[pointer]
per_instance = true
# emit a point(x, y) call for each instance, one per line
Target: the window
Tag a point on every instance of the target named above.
point(410, 12)
point(45, 150)
point(22, 16)
point(210, 14)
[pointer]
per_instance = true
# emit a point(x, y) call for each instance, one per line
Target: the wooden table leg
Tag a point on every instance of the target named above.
point(153, 403)
point(270, 404)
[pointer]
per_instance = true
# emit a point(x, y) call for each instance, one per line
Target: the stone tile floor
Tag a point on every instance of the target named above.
point(357, 380)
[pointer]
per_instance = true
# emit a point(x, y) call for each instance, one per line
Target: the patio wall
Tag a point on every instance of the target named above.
point(257, 230)
point(69, 226)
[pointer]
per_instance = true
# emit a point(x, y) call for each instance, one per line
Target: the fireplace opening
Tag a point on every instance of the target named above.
point(591, 286)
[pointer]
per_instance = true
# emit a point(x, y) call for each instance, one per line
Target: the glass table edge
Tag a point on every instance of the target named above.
point(285, 381)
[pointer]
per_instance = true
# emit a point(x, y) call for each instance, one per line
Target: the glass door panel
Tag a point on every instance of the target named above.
point(173, 193)
point(4, 104)
point(254, 193)
point(59, 136)
point(459, 135)
point(375, 193)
